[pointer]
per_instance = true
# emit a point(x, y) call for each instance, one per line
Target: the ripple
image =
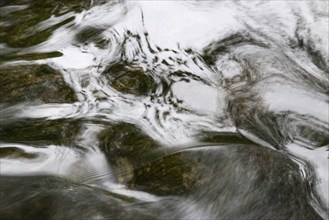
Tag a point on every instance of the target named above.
point(187, 109)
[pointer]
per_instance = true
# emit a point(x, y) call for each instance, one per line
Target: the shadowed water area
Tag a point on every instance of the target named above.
point(164, 109)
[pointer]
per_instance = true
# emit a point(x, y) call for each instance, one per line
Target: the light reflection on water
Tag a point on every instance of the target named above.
point(169, 74)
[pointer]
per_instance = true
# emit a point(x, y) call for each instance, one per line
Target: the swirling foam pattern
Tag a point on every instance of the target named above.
point(164, 109)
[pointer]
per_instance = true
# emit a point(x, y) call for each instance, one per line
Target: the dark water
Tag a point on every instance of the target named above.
point(164, 109)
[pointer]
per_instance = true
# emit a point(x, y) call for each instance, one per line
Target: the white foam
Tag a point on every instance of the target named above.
point(320, 160)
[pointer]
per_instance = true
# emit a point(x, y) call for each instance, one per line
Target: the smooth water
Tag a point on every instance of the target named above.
point(164, 109)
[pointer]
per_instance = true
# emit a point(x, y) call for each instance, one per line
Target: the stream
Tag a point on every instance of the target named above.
point(124, 109)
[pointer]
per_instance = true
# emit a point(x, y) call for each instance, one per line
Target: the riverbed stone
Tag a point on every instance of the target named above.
point(127, 78)
point(139, 161)
point(13, 152)
point(125, 140)
point(54, 198)
point(124, 145)
point(174, 174)
point(239, 181)
point(20, 25)
point(24, 83)
point(38, 132)
point(222, 137)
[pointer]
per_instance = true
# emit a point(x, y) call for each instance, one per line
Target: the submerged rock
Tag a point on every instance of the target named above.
point(125, 140)
point(231, 182)
point(170, 175)
point(252, 182)
point(129, 79)
point(14, 152)
point(231, 178)
point(125, 146)
point(21, 19)
point(92, 34)
point(48, 197)
point(24, 83)
point(223, 138)
point(138, 162)
point(40, 132)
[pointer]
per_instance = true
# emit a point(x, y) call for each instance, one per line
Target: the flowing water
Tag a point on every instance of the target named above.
point(164, 109)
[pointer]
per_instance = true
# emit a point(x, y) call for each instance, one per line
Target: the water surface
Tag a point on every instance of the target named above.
point(164, 109)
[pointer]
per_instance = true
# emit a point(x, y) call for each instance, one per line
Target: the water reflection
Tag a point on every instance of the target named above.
point(167, 109)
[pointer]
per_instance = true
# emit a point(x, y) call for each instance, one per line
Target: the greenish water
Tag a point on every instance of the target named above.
point(164, 109)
